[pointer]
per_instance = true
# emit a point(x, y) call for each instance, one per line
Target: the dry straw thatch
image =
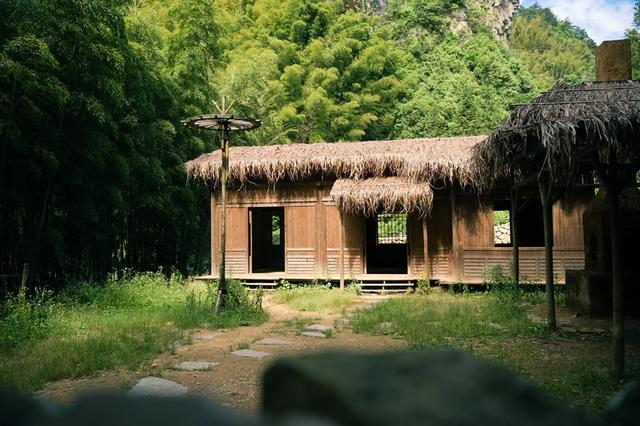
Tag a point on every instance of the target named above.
point(564, 126)
point(382, 195)
point(419, 160)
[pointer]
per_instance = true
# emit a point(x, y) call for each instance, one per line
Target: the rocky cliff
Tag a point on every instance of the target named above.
point(495, 14)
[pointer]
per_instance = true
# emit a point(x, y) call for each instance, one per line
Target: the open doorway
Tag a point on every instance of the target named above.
point(267, 239)
point(386, 244)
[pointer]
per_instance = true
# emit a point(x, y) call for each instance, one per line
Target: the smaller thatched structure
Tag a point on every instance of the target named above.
point(381, 195)
point(419, 160)
point(570, 123)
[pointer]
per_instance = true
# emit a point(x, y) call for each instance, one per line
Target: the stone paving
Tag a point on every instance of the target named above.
point(272, 341)
point(313, 334)
point(196, 365)
point(158, 387)
point(155, 386)
point(250, 353)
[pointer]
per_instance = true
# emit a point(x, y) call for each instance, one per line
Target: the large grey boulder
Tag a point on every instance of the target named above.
point(409, 388)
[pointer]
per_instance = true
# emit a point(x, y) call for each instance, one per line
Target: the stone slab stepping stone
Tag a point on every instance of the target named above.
point(314, 334)
point(207, 336)
point(272, 341)
point(320, 327)
point(155, 386)
point(196, 365)
point(250, 353)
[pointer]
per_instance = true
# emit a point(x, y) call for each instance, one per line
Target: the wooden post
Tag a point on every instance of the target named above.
point(341, 251)
point(455, 232)
point(545, 187)
point(214, 269)
point(618, 285)
point(425, 243)
point(613, 186)
point(515, 242)
point(222, 284)
point(24, 279)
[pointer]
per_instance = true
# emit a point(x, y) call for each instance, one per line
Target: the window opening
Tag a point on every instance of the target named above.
point(501, 228)
point(391, 228)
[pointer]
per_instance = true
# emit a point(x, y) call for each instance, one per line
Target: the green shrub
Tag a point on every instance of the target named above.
point(25, 319)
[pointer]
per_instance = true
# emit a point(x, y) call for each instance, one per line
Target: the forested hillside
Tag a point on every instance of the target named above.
point(92, 93)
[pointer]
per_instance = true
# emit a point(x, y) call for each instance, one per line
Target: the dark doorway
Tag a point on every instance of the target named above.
point(386, 239)
point(267, 239)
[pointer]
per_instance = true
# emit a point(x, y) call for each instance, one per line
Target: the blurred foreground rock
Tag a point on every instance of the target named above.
point(403, 388)
point(409, 388)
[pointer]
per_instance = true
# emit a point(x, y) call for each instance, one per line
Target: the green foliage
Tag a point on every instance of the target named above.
point(463, 87)
point(315, 298)
point(119, 324)
point(441, 319)
point(553, 50)
point(501, 217)
point(22, 320)
point(92, 93)
point(633, 34)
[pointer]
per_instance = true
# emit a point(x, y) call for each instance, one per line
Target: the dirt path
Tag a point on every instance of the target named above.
point(235, 381)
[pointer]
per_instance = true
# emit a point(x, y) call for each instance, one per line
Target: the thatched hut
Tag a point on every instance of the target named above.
point(380, 212)
point(567, 133)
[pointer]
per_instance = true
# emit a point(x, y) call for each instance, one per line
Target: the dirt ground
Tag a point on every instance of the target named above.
point(235, 381)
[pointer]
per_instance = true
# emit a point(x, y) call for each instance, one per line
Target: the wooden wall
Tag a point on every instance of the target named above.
point(459, 229)
point(476, 251)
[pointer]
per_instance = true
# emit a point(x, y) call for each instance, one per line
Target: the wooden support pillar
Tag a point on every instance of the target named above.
point(515, 243)
point(214, 268)
point(456, 246)
point(425, 243)
point(341, 251)
point(545, 188)
point(222, 284)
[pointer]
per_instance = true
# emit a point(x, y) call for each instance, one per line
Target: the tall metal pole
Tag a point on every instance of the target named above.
point(222, 283)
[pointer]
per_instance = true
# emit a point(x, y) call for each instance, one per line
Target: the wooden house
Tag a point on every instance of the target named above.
point(380, 212)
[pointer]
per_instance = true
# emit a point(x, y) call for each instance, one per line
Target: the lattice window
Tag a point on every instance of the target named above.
point(276, 226)
point(392, 228)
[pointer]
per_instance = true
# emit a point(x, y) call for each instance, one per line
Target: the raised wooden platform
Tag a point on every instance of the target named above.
point(369, 283)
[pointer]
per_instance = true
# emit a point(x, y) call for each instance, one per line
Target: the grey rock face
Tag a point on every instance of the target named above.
point(409, 388)
point(155, 386)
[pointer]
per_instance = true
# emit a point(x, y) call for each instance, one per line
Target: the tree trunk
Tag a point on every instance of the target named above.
point(544, 185)
point(515, 243)
point(618, 287)
point(616, 270)
point(222, 284)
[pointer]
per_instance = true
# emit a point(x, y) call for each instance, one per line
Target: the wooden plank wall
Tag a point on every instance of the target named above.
point(478, 252)
point(460, 231)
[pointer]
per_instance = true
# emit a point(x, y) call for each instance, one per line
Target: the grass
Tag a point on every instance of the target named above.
point(315, 298)
point(495, 325)
point(119, 324)
point(440, 318)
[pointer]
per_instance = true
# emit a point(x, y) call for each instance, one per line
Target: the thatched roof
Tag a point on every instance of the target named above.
point(423, 160)
point(563, 126)
point(381, 195)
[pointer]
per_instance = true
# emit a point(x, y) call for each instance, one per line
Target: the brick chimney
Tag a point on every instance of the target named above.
point(613, 61)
